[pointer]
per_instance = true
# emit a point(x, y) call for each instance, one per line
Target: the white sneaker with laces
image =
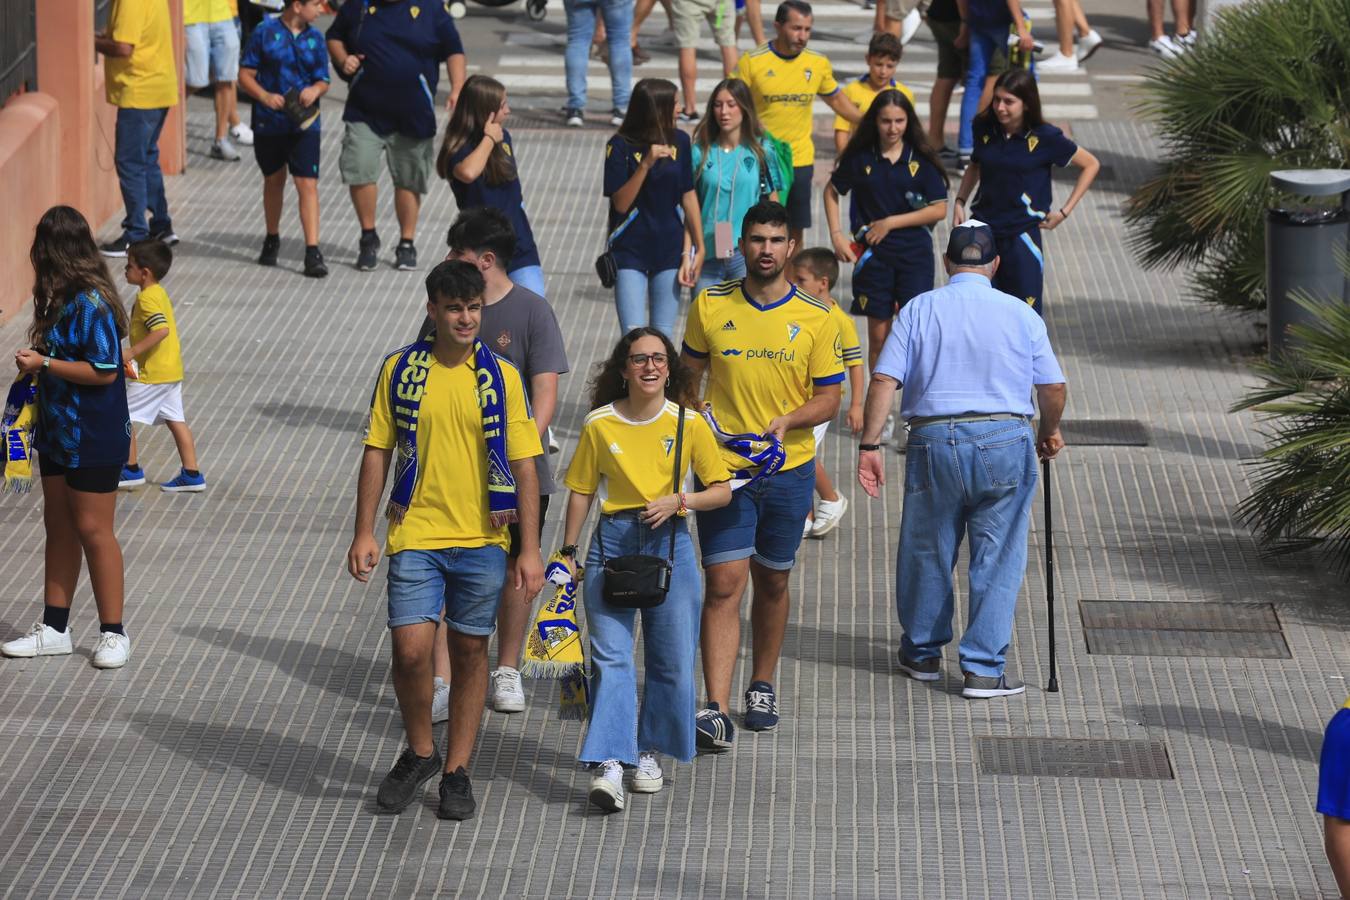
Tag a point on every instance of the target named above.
point(112, 650)
point(909, 25)
point(507, 694)
point(1185, 41)
point(242, 133)
point(828, 515)
point(607, 786)
point(1164, 47)
point(647, 777)
point(888, 431)
point(41, 640)
point(1057, 64)
point(807, 526)
point(440, 701)
point(1088, 44)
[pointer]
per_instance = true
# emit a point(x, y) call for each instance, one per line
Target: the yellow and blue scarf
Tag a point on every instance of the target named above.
point(764, 452)
point(553, 648)
point(17, 425)
point(406, 384)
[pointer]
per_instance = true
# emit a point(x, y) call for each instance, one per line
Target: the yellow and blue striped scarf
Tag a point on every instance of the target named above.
point(17, 425)
point(406, 384)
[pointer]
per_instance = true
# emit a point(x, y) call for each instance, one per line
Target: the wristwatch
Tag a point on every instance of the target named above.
point(46, 362)
point(868, 447)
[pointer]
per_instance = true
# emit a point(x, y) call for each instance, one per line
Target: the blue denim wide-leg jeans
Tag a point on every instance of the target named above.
point(964, 478)
point(618, 16)
point(136, 157)
point(644, 299)
point(617, 729)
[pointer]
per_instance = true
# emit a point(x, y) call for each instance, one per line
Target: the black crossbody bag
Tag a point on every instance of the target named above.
point(605, 266)
point(639, 580)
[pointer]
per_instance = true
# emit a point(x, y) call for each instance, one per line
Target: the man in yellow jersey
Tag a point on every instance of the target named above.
point(457, 415)
point(774, 367)
point(784, 78)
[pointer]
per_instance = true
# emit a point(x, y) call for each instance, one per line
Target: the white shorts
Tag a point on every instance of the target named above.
point(819, 432)
point(150, 404)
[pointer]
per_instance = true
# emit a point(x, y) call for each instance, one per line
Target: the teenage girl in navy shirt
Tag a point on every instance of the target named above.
point(899, 190)
point(479, 161)
point(1015, 152)
point(649, 180)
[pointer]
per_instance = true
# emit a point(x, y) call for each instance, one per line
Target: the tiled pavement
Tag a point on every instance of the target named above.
point(238, 753)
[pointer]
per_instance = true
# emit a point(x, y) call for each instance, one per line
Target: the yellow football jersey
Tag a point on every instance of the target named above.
point(162, 363)
point(450, 503)
point(632, 463)
point(848, 336)
point(784, 90)
point(764, 361)
point(861, 93)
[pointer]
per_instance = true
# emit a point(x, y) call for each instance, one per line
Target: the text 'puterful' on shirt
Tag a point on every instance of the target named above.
point(1015, 175)
point(881, 188)
point(784, 89)
point(404, 43)
point(764, 361)
point(652, 242)
point(506, 196)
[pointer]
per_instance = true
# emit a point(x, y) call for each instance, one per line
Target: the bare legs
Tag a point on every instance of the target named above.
point(721, 631)
point(79, 526)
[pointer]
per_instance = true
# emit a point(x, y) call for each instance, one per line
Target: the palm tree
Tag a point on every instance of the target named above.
point(1267, 88)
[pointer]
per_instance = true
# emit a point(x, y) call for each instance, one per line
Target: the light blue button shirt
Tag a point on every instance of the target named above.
point(968, 348)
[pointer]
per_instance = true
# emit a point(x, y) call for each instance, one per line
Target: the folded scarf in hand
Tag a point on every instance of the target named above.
point(406, 384)
point(17, 425)
point(553, 647)
point(764, 452)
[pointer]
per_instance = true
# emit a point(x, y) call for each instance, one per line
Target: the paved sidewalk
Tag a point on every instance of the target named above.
point(239, 751)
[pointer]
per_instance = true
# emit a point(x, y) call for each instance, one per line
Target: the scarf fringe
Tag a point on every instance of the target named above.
point(547, 668)
point(18, 484)
point(395, 512)
point(574, 697)
point(502, 518)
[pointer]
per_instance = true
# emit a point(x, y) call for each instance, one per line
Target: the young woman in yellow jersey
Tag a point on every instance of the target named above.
point(626, 454)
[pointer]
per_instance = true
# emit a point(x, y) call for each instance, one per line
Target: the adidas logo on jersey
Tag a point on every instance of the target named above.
point(730, 326)
point(614, 448)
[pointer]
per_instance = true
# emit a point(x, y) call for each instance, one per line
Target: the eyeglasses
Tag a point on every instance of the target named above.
point(641, 359)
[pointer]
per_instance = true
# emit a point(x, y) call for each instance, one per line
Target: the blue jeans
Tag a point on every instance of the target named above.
point(618, 16)
point(984, 43)
point(460, 584)
point(715, 271)
point(975, 478)
point(644, 299)
point(136, 156)
point(531, 278)
point(670, 639)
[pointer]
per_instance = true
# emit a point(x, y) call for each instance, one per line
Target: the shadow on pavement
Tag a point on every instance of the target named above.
point(1233, 728)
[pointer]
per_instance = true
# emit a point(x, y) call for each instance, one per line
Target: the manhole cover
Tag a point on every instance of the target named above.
point(1073, 757)
point(1147, 628)
point(1104, 433)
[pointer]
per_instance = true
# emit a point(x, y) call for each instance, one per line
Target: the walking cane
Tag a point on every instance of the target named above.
point(1053, 686)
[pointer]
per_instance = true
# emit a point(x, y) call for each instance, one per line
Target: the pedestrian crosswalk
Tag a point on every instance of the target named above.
point(530, 62)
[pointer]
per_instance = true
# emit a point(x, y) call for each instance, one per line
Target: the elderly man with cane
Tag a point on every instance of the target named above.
point(969, 358)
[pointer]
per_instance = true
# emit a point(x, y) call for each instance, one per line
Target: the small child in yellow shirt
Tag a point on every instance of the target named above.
point(815, 271)
point(883, 55)
point(155, 387)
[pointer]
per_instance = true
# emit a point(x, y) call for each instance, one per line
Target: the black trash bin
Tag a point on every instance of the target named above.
point(1304, 249)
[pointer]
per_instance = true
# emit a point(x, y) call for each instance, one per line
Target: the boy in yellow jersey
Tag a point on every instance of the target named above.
point(1333, 795)
point(784, 78)
point(815, 271)
point(883, 55)
point(155, 394)
point(457, 414)
point(775, 367)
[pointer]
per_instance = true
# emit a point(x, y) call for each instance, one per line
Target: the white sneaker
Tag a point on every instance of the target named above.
point(507, 694)
point(607, 786)
point(112, 650)
point(1088, 44)
point(242, 133)
point(888, 431)
point(223, 149)
point(807, 526)
point(828, 515)
point(40, 641)
point(440, 701)
point(910, 25)
point(1058, 64)
point(647, 778)
point(1164, 47)
point(1185, 41)
point(553, 445)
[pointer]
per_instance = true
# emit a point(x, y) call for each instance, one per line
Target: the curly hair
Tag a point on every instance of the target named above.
point(66, 263)
point(607, 384)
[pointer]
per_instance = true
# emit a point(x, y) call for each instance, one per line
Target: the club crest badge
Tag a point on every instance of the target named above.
point(793, 330)
point(913, 169)
point(1031, 143)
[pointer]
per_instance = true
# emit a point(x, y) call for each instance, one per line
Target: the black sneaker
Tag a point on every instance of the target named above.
point(616, 117)
point(400, 786)
point(948, 156)
point(921, 670)
point(165, 236)
point(986, 687)
point(116, 248)
point(688, 118)
point(368, 253)
point(713, 730)
point(405, 256)
point(271, 249)
point(314, 265)
point(456, 796)
point(573, 117)
point(761, 707)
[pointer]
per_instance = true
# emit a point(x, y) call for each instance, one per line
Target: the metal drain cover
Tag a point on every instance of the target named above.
point(1104, 433)
point(1073, 758)
point(1151, 628)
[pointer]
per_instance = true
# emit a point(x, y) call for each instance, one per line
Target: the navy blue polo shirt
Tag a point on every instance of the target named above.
point(653, 241)
point(988, 13)
point(883, 188)
point(404, 43)
point(506, 197)
point(284, 61)
point(1014, 194)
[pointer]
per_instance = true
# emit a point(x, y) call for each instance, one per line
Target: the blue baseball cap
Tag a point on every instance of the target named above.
point(972, 244)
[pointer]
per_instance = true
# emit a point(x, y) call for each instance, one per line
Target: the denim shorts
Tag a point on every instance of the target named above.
point(465, 583)
point(763, 521)
point(212, 53)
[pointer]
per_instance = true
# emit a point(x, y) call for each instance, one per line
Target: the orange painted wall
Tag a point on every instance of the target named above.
point(30, 145)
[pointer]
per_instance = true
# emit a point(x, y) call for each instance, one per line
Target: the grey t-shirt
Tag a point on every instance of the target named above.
point(522, 327)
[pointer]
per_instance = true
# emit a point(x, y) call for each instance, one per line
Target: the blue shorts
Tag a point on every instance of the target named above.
point(1333, 780)
point(883, 286)
point(763, 521)
point(299, 150)
point(212, 53)
point(1021, 267)
point(799, 197)
point(463, 583)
